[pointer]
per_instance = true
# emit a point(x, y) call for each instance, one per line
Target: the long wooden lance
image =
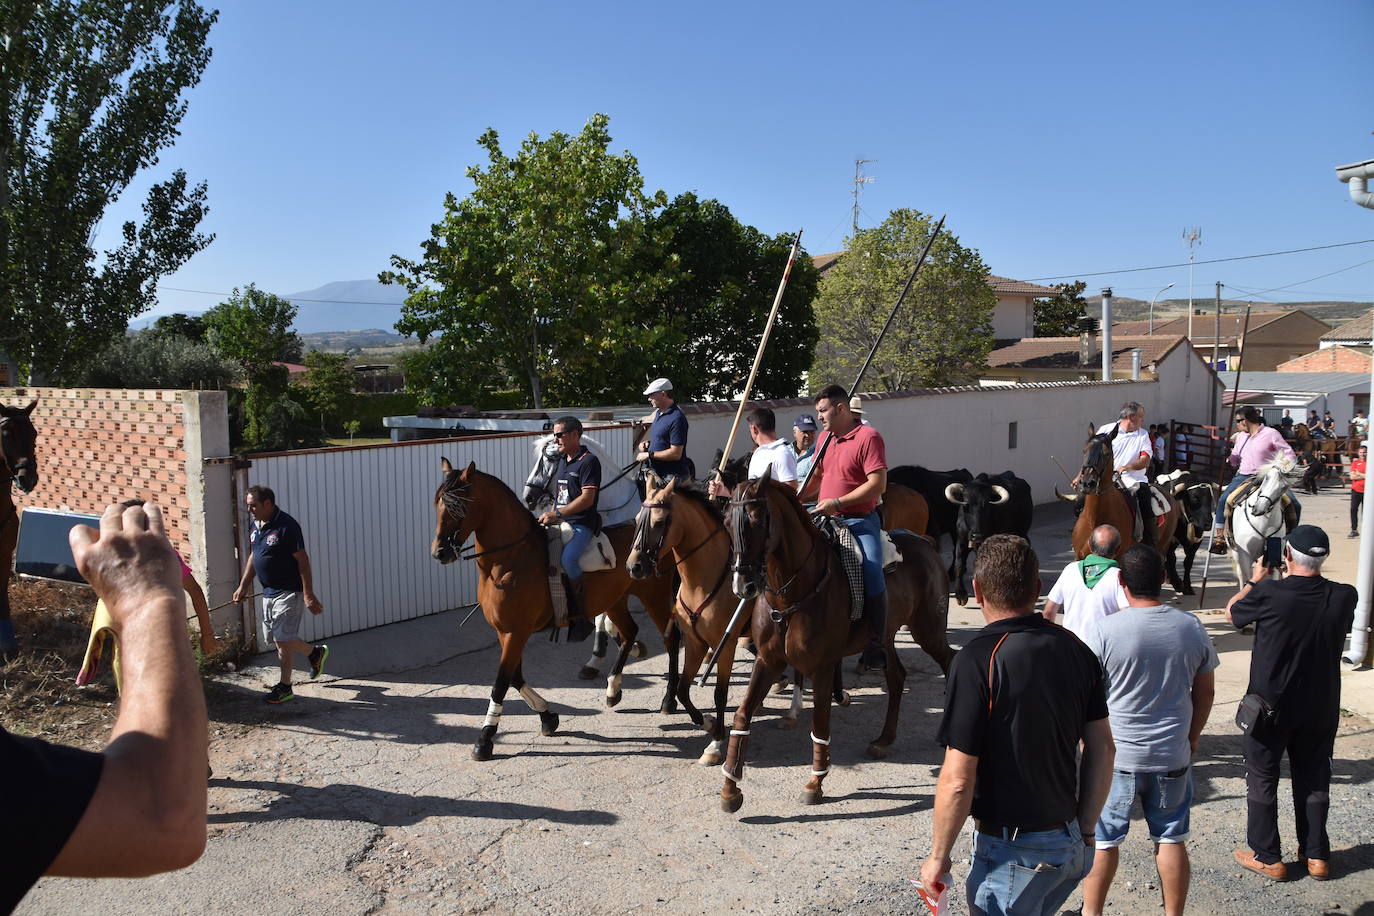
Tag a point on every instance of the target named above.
point(858, 379)
point(1221, 467)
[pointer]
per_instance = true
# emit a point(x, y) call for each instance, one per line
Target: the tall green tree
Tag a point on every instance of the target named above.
point(91, 92)
point(187, 327)
point(541, 269)
point(942, 334)
point(1058, 315)
point(715, 309)
point(252, 328)
point(150, 360)
point(329, 387)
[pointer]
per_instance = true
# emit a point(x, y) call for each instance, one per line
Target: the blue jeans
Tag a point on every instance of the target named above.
point(573, 550)
point(1166, 800)
point(1231, 487)
point(1034, 873)
point(868, 531)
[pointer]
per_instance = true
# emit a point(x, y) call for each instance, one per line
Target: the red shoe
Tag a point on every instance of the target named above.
point(1276, 872)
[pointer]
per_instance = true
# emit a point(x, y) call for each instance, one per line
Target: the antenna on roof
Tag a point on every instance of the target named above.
point(860, 179)
point(1192, 236)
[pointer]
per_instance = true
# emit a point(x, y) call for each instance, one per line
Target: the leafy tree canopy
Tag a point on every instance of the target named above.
point(90, 94)
point(150, 360)
point(329, 384)
point(541, 270)
point(253, 328)
point(1058, 316)
point(187, 327)
point(942, 334)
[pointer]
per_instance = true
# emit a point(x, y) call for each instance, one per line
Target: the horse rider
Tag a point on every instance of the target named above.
point(849, 480)
point(577, 480)
point(1132, 453)
point(665, 447)
point(769, 452)
point(1256, 445)
point(804, 443)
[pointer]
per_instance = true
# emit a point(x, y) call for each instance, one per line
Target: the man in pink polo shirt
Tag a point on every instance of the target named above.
point(849, 480)
point(1256, 445)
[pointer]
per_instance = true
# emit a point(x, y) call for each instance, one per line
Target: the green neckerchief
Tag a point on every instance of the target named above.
point(1094, 568)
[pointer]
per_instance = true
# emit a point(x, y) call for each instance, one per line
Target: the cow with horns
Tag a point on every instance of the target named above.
point(989, 504)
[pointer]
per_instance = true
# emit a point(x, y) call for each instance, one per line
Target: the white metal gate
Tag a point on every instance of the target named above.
point(368, 517)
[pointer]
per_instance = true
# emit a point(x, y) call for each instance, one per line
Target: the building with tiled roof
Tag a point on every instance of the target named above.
point(1271, 338)
point(1054, 359)
point(1357, 332)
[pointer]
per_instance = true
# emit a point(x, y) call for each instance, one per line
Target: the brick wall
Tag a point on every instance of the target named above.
point(96, 446)
point(1331, 359)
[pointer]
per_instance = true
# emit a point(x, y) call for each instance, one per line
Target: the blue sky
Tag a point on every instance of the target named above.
point(1060, 137)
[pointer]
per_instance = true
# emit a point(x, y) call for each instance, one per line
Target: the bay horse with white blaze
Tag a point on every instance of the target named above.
point(1103, 502)
point(511, 551)
point(18, 467)
point(778, 551)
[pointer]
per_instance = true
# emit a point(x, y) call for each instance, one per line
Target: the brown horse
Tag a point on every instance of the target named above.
point(18, 466)
point(779, 551)
point(904, 508)
point(1105, 504)
point(513, 587)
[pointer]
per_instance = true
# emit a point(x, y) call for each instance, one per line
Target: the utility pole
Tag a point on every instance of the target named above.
point(1193, 236)
point(1216, 345)
point(860, 179)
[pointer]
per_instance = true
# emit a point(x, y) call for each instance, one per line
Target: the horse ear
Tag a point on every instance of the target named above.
point(767, 474)
point(445, 466)
point(1116, 428)
point(669, 489)
point(467, 471)
point(1092, 430)
point(32, 404)
point(652, 480)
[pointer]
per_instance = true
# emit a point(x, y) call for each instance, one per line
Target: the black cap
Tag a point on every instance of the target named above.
point(1309, 540)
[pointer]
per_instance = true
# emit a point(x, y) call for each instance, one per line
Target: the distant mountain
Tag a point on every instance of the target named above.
point(348, 305)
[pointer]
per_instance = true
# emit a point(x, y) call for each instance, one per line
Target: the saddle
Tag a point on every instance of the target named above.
point(1159, 505)
point(851, 557)
point(1241, 493)
point(598, 556)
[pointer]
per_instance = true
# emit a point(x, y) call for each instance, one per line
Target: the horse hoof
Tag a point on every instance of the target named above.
point(708, 724)
point(787, 723)
point(780, 685)
point(482, 750)
point(812, 796)
point(878, 751)
point(613, 699)
point(1189, 591)
point(638, 650)
point(668, 707)
point(731, 803)
point(548, 723)
point(845, 698)
point(709, 758)
point(588, 673)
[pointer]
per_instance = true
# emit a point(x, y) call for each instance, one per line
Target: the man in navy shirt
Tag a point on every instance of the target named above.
point(665, 448)
point(577, 481)
point(283, 567)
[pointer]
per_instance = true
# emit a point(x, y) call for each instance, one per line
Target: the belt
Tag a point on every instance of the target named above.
point(988, 828)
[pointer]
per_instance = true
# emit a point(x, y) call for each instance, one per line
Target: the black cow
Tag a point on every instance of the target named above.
point(990, 504)
point(944, 515)
point(1196, 503)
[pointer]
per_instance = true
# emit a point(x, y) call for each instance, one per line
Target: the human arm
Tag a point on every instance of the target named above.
point(953, 801)
point(1094, 774)
point(208, 644)
point(874, 485)
point(1140, 462)
point(584, 501)
point(245, 581)
point(312, 603)
point(1258, 573)
point(148, 811)
point(1052, 609)
point(1204, 692)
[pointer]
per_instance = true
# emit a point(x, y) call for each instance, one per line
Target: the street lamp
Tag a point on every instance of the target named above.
point(1152, 308)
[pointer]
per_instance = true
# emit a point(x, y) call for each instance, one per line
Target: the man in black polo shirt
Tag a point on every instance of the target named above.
point(665, 446)
point(1300, 623)
point(1020, 698)
point(283, 567)
point(577, 481)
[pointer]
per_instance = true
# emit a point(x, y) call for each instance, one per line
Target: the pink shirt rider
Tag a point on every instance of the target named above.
point(848, 462)
point(1254, 451)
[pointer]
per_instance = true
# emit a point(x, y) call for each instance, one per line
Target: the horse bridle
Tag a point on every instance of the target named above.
point(652, 554)
point(1095, 446)
point(738, 519)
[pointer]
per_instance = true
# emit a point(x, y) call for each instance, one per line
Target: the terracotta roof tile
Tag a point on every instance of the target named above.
point(1354, 329)
point(1062, 352)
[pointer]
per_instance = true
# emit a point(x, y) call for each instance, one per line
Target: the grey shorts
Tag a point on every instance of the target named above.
point(281, 616)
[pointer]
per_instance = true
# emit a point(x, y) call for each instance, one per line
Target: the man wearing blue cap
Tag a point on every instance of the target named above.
point(804, 443)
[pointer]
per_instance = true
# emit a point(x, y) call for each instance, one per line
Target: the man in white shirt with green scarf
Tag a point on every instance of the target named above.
point(1091, 587)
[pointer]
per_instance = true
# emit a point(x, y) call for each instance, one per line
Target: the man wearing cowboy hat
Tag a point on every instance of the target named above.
point(665, 447)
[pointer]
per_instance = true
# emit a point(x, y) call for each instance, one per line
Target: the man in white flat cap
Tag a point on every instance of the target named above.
point(665, 447)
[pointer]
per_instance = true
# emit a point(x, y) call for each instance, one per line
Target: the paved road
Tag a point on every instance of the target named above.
point(360, 796)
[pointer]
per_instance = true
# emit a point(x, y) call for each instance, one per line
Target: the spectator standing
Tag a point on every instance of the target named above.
point(770, 452)
point(1158, 663)
point(1019, 699)
point(1357, 477)
point(1360, 423)
point(1286, 424)
point(138, 807)
point(804, 443)
point(665, 447)
point(1300, 623)
point(1091, 587)
point(280, 562)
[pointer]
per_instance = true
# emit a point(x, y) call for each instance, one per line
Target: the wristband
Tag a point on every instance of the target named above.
point(557, 513)
point(1253, 582)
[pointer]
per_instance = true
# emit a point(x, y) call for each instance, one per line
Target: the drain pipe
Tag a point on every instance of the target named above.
point(1357, 175)
point(1107, 334)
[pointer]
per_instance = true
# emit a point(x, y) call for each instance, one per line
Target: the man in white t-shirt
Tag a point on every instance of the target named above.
point(1091, 587)
point(769, 452)
point(1131, 454)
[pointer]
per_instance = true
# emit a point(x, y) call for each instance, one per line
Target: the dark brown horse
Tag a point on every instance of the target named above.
point(779, 552)
point(1103, 502)
point(904, 508)
point(513, 587)
point(18, 466)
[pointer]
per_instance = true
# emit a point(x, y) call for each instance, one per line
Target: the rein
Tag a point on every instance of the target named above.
point(642, 528)
point(780, 615)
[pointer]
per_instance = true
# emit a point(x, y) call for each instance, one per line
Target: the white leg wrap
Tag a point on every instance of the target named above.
point(736, 731)
point(493, 714)
point(533, 699)
point(820, 772)
point(594, 663)
point(825, 741)
point(613, 685)
point(730, 776)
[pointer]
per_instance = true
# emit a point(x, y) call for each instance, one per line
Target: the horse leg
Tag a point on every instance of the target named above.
point(512, 644)
point(896, 678)
point(821, 687)
point(548, 720)
point(716, 724)
point(693, 654)
point(1189, 555)
point(600, 638)
point(672, 641)
point(9, 534)
point(620, 617)
point(731, 798)
point(789, 718)
point(837, 691)
point(960, 564)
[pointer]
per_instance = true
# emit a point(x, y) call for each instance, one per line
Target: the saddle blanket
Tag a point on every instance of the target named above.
point(852, 560)
point(598, 556)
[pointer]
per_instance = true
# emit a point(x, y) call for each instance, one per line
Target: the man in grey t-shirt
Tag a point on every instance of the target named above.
point(1158, 663)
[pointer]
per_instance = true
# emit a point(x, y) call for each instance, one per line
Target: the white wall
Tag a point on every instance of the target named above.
point(1013, 318)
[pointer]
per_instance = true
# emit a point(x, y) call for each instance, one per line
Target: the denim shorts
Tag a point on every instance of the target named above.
point(1165, 798)
point(1034, 873)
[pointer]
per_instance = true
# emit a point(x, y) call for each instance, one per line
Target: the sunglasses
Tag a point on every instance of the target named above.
point(566, 432)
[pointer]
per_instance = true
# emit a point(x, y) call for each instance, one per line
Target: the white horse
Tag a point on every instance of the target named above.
point(1260, 515)
point(618, 502)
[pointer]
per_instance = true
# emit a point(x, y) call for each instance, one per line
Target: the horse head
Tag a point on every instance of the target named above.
point(538, 486)
point(751, 536)
point(651, 526)
point(451, 503)
point(1096, 469)
point(1273, 484)
point(18, 441)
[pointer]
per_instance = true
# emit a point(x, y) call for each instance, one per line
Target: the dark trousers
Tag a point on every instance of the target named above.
point(1309, 752)
point(1147, 514)
point(1356, 503)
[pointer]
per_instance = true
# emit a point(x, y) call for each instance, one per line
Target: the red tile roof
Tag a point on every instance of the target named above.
point(1062, 352)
